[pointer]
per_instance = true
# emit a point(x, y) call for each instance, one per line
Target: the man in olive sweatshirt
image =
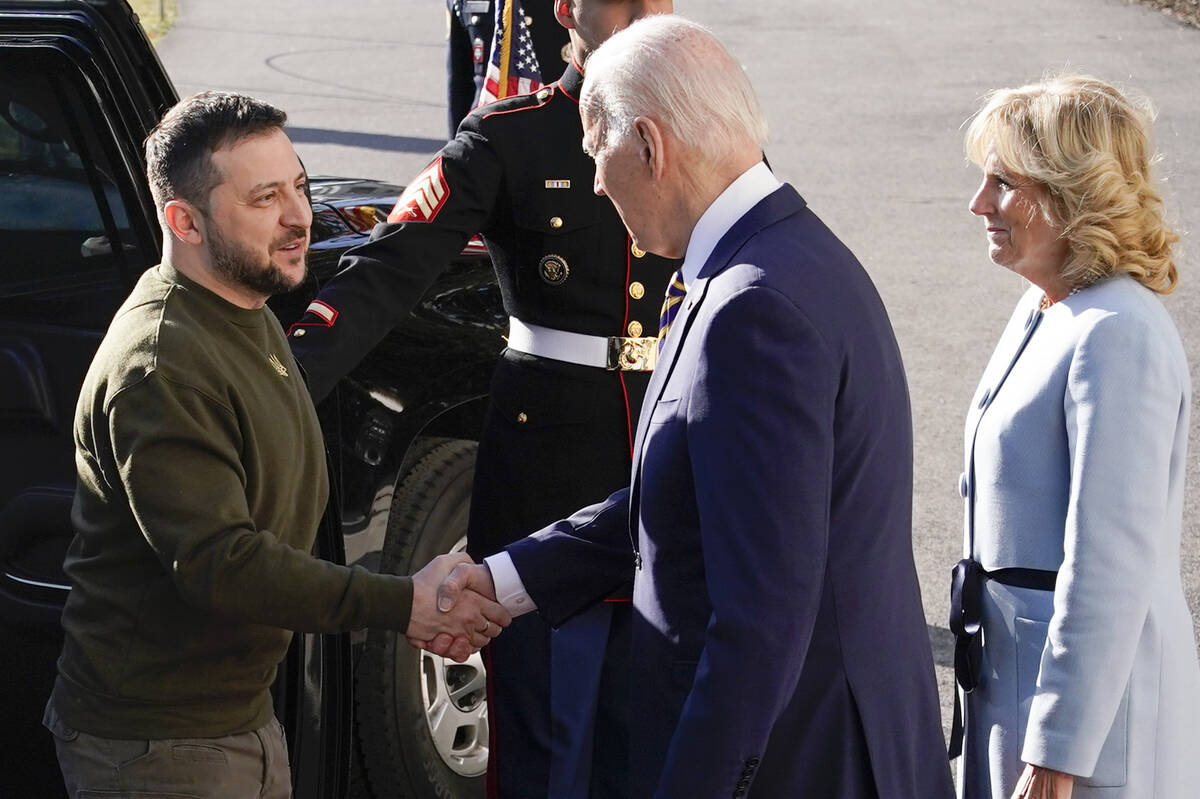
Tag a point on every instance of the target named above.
point(201, 483)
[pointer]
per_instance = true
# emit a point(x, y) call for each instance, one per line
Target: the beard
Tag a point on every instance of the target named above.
point(241, 266)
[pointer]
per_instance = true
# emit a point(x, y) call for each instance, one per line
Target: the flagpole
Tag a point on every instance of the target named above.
point(505, 51)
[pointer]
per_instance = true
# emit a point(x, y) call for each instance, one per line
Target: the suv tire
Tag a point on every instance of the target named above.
point(422, 720)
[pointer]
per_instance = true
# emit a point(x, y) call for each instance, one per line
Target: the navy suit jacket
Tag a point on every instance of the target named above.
point(780, 646)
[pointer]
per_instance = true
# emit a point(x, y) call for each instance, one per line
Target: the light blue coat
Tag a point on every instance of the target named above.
point(1079, 460)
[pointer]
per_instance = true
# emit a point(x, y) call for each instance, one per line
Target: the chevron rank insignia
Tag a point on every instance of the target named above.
point(326, 312)
point(423, 198)
point(325, 315)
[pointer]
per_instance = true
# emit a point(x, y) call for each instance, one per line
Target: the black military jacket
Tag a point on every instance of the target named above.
point(516, 173)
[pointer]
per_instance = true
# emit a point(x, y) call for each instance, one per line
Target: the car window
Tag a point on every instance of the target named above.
point(62, 219)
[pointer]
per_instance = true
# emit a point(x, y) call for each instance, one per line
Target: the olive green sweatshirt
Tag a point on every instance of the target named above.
point(201, 482)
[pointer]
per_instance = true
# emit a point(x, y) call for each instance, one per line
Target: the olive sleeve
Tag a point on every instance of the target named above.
point(179, 457)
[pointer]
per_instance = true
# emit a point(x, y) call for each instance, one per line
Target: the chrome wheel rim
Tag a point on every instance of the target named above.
point(455, 701)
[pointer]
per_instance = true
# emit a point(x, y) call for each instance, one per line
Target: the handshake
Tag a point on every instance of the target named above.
point(454, 608)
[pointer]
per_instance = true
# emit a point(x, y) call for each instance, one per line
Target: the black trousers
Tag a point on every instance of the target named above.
point(556, 439)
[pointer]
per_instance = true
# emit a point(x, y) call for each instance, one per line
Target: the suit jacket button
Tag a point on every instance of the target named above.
point(637, 290)
point(522, 418)
point(635, 328)
point(298, 332)
point(637, 251)
point(556, 222)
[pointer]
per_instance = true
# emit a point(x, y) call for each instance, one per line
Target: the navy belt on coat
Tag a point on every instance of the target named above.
point(966, 620)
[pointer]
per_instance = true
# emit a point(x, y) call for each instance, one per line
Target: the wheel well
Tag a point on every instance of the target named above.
point(464, 421)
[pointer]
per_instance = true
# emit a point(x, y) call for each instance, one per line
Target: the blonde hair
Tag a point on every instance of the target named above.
point(1090, 147)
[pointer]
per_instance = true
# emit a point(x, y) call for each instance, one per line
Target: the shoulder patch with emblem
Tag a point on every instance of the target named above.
point(424, 197)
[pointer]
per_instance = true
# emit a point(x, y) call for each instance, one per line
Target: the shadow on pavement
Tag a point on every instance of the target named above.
point(369, 141)
point(943, 645)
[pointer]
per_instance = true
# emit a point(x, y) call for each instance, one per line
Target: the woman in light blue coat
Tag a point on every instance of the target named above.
point(1083, 662)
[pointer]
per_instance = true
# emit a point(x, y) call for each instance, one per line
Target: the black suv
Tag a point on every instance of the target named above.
point(80, 87)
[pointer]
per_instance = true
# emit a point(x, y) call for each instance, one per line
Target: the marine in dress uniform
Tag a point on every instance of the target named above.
point(565, 394)
point(470, 27)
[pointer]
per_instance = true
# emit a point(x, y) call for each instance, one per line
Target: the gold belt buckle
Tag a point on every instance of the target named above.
point(632, 354)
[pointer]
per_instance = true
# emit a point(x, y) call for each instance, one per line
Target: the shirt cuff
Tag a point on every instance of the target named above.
point(510, 591)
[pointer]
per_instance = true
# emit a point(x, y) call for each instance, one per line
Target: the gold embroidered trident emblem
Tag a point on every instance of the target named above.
point(278, 364)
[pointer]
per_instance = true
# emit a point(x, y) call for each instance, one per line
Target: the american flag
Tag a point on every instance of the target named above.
point(514, 67)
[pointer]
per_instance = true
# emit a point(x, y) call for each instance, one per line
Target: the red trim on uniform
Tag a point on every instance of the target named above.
point(322, 320)
point(628, 418)
point(566, 93)
point(329, 317)
point(492, 780)
point(628, 274)
point(526, 107)
point(424, 198)
point(624, 329)
point(617, 600)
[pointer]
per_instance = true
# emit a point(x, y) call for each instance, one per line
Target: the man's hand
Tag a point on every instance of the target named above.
point(464, 580)
point(1043, 783)
point(457, 627)
point(465, 576)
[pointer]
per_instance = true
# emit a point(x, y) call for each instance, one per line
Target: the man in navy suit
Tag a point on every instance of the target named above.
point(780, 645)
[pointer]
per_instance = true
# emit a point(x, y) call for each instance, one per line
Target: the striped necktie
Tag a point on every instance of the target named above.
point(670, 307)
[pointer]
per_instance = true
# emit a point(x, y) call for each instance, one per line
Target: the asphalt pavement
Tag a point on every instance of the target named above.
point(866, 102)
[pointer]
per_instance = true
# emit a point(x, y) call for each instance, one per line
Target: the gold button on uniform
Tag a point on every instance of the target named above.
point(556, 222)
point(298, 332)
point(635, 328)
point(637, 290)
point(637, 251)
point(522, 418)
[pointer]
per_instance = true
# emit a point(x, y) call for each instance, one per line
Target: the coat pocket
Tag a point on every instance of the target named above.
point(1111, 767)
point(665, 410)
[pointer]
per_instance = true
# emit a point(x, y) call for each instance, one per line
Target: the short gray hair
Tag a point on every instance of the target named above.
point(678, 73)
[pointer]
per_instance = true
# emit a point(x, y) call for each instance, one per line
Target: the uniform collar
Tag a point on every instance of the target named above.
point(571, 82)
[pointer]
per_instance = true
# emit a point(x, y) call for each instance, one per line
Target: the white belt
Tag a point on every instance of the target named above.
point(602, 352)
